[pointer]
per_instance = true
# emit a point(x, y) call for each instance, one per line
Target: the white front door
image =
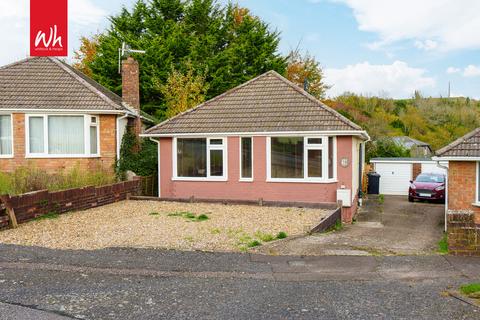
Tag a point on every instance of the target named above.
point(394, 178)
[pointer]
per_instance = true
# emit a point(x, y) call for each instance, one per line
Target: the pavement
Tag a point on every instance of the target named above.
point(392, 227)
point(120, 283)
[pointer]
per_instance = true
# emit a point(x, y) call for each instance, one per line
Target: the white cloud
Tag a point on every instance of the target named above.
point(397, 80)
point(84, 12)
point(430, 24)
point(452, 70)
point(471, 71)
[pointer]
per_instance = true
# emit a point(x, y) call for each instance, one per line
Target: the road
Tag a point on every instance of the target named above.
point(37, 283)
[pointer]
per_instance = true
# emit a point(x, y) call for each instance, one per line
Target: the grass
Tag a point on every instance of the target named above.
point(29, 178)
point(381, 199)
point(48, 216)
point(254, 243)
point(443, 244)
point(154, 214)
point(281, 235)
point(265, 237)
point(336, 227)
point(470, 288)
point(189, 216)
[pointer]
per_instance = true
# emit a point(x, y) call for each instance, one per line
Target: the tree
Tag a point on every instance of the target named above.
point(86, 54)
point(224, 43)
point(386, 148)
point(303, 68)
point(183, 91)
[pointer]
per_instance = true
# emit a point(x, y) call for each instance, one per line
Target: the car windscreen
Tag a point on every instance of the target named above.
point(432, 178)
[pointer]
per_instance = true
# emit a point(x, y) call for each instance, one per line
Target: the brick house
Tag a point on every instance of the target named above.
point(54, 117)
point(463, 193)
point(265, 140)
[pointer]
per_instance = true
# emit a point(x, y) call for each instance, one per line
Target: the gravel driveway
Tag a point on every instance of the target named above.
point(172, 225)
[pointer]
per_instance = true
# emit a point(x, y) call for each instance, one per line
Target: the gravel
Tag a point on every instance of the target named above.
point(153, 224)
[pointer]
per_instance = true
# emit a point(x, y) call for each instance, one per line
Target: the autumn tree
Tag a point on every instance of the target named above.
point(305, 68)
point(86, 54)
point(183, 91)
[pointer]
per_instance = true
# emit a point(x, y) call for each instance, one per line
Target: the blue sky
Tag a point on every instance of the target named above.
point(373, 47)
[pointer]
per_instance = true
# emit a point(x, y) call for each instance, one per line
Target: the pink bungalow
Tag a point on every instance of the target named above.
point(266, 140)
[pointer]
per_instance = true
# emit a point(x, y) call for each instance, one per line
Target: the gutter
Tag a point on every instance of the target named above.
point(437, 159)
point(158, 158)
point(119, 139)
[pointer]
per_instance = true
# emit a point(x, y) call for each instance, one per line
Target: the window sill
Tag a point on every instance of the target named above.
point(245, 180)
point(302, 181)
point(9, 156)
point(219, 179)
point(476, 204)
point(61, 156)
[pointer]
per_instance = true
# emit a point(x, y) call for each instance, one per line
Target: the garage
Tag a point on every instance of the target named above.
point(394, 177)
point(396, 173)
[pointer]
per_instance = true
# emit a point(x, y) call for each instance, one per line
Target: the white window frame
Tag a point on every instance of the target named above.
point(86, 125)
point(241, 178)
point(209, 147)
point(9, 155)
point(306, 146)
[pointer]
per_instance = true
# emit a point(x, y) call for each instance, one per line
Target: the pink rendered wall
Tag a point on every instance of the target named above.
point(259, 188)
point(237, 190)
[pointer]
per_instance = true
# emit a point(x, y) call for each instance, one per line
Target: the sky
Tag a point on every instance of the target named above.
point(371, 47)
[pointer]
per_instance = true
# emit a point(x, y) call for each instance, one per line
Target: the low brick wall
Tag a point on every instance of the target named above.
point(34, 204)
point(463, 234)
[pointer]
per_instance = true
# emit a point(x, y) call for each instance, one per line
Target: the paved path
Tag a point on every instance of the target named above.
point(159, 284)
point(393, 227)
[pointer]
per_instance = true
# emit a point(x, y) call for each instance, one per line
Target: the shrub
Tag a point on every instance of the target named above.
point(281, 235)
point(139, 156)
point(29, 178)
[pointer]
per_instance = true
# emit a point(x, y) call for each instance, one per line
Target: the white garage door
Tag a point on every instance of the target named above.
point(432, 168)
point(394, 177)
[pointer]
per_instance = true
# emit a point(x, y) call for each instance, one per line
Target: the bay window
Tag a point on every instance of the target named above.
point(62, 136)
point(6, 136)
point(301, 159)
point(200, 158)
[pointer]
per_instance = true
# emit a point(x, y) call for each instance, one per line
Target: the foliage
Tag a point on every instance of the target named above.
point(437, 121)
point(48, 216)
point(470, 288)
point(303, 68)
point(86, 54)
point(281, 235)
point(265, 237)
point(29, 178)
point(189, 216)
point(386, 148)
point(183, 91)
point(443, 244)
point(223, 42)
point(136, 155)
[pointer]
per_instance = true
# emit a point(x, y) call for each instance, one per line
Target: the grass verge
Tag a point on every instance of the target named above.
point(443, 245)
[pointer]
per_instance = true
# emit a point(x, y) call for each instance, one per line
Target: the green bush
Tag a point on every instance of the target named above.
point(136, 155)
point(29, 178)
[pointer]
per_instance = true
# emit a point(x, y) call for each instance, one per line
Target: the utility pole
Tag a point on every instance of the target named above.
point(449, 89)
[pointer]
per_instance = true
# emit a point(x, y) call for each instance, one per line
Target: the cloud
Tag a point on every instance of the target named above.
point(471, 71)
point(397, 80)
point(429, 24)
point(452, 70)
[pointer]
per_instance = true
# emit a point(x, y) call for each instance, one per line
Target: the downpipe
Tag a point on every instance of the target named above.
point(446, 193)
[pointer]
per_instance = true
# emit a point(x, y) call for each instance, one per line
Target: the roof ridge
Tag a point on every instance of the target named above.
point(18, 62)
point(457, 142)
point(312, 98)
point(85, 83)
point(230, 91)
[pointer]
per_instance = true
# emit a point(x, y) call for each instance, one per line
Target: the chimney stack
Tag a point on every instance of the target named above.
point(131, 83)
point(131, 90)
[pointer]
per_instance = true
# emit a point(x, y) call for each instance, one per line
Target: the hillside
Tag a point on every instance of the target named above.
point(437, 121)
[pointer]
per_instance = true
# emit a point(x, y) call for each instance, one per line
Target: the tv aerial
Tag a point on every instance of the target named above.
point(124, 51)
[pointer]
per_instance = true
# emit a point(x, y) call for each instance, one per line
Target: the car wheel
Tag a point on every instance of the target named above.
point(410, 199)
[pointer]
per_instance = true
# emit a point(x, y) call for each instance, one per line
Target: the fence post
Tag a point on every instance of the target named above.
point(11, 213)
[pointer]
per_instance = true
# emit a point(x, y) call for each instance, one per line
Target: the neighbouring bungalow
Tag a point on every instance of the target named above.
point(265, 140)
point(463, 193)
point(54, 117)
